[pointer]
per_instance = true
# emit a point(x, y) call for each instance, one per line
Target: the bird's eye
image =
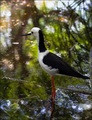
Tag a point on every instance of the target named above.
point(32, 32)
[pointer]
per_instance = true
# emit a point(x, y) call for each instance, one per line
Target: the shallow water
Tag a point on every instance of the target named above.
point(68, 106)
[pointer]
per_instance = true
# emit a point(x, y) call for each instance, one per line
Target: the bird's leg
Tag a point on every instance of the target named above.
point(52, 97)
point(53, 94)
point(53, 88)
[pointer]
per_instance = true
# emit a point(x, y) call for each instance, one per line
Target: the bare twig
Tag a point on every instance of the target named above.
point(77, 91)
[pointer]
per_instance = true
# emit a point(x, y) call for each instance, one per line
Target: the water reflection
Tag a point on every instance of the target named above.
point(35, 109)
point(5, 104)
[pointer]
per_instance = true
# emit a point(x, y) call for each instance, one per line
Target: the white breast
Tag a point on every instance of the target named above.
point(49, 70)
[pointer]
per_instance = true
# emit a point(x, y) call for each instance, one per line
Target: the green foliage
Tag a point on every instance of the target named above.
point(67, 38)
point(67, 31)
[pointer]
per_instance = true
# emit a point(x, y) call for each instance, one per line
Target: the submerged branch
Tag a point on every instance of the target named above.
point(78, 91)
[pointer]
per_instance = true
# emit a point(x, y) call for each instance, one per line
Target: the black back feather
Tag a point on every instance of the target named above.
point(55, 61)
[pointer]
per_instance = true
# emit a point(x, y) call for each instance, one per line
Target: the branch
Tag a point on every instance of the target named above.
point(78, 91)
point(65, 89)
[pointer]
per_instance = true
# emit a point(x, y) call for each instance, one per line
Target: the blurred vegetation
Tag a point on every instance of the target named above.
point(67, 30)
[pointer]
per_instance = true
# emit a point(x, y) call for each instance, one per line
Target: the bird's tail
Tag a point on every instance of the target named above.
point(75, 73)
point(79, 75)
point(85, 77)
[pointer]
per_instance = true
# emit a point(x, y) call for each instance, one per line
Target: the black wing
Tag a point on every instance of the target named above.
point(56, 62)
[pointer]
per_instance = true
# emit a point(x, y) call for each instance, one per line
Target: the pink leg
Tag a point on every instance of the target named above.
point(53, 88)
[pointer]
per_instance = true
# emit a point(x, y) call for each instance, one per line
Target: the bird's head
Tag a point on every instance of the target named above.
point(34, 31)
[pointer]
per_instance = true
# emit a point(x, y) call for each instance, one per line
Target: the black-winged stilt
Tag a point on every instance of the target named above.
point(50, 62)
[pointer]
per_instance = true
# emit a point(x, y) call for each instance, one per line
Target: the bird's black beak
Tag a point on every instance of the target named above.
point(26, 34)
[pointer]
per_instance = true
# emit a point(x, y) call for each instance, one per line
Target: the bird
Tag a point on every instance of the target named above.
point(52, 63)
